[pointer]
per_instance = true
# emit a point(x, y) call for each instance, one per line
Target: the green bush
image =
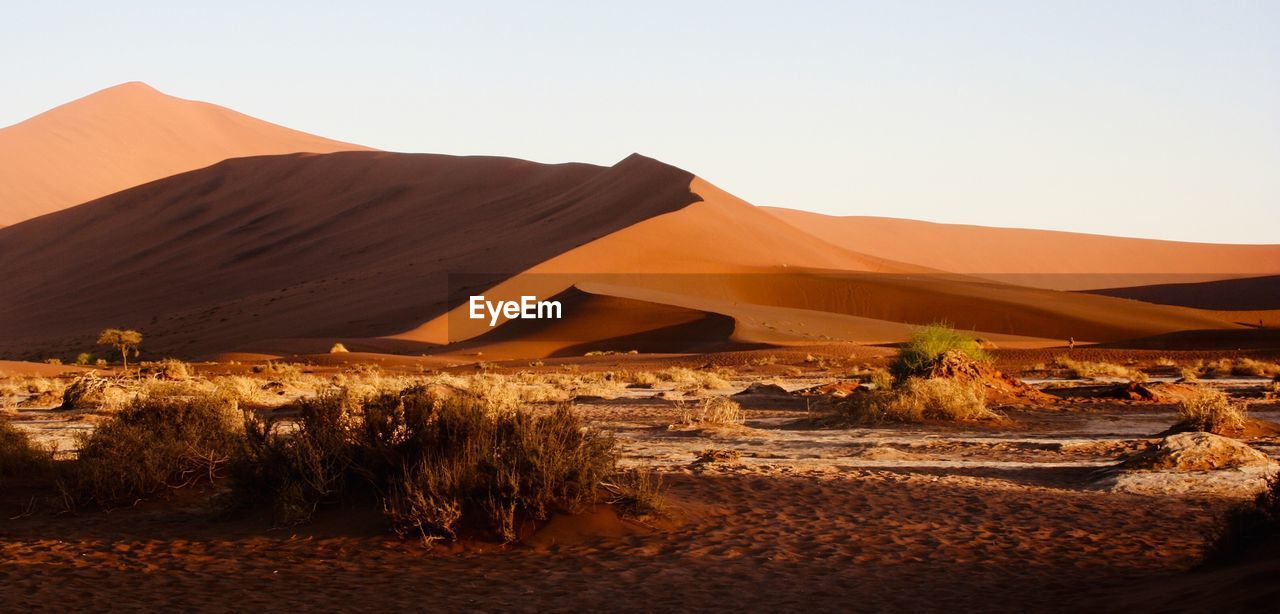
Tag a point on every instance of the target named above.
point(928, 345)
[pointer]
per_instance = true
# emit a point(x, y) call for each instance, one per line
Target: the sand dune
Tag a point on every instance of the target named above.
point(124, 136)
point(353, 244)
point(782, 285)
point(1042, 258)
point(1250, 293)
point(285, 254)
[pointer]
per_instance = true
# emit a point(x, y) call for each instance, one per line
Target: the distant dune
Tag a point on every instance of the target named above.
point(1251, 293)
point(124, 136)
point(722, 256)
point(1042, 258)
point(285, 254)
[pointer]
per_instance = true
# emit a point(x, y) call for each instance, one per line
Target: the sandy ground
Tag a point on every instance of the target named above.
point(912, 518)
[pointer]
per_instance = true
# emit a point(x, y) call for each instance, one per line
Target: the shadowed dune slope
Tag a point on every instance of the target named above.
point(1042, 258)
point(780, 284)
point(351, 244)
point(595, 322)
point(124, 136)
point(1252, 293)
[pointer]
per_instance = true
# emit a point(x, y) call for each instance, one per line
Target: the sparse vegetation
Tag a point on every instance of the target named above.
point(931, 343)
point(1083, 369)
point(916, 400)
point(338, 348)
point(1210, 410)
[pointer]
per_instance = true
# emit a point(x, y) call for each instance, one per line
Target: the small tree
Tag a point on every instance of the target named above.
point(122, 340)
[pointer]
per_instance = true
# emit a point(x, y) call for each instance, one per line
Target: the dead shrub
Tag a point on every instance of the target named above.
point(155, 444)
point(19, 455)
point(435, 464)
point(294, 472)
point(92, 391)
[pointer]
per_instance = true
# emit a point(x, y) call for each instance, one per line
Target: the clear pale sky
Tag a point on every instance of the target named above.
point(1138, 118)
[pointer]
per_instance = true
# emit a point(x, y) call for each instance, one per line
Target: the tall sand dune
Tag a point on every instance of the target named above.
point(1042, 258)
point(294, 251)
point(124, 136)
point(352, 244)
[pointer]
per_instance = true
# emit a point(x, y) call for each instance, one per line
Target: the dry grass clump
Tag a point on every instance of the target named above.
point(565, 386)
point(878, 378)
point(19, 455)
point(280, 370)
point(705, 380)
point(1211, 411)
point(434, 463)
point(154, 444)
point(917, 400)
point(1240, 367)
point(643, 378)
point(1189, 373)
point(168, 369)
point(638, 493)
point(711, 411)
point(338, 348)
point(928, 345)
point(1083, 369)
point(1254, 368)
point(28, 392)
point(247, 391)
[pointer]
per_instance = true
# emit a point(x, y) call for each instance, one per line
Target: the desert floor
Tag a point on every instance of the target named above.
point(889, 517)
